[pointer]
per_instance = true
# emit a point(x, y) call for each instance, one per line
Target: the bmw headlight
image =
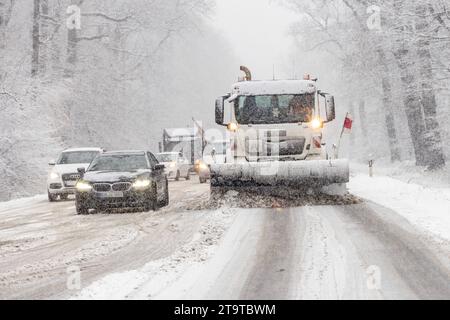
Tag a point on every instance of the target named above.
point(141, 183)
point(83, 186)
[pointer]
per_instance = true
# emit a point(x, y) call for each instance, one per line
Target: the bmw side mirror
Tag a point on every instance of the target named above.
point(81, 171)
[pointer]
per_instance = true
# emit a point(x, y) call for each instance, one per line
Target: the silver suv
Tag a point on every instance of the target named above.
point(64, 175)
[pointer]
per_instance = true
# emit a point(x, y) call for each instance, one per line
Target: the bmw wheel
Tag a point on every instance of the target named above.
point(165, 201)
point(151, 202)
point(81, 207)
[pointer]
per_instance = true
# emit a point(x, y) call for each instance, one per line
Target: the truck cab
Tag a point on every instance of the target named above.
point(276, 136)
point(276, 120)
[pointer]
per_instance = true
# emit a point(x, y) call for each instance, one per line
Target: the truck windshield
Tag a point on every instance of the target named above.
point(122, 162)
point(269, 109)
point(77, 157)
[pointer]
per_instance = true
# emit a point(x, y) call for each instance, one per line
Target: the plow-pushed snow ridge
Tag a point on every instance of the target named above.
point(293, 173)
point(240, 246)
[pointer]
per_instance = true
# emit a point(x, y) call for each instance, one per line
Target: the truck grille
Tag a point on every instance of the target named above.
point(286, 146)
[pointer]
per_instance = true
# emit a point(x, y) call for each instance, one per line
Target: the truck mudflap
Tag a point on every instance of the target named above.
point(304, 173)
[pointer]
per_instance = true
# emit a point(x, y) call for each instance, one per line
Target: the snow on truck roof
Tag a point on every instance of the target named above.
point(250, 88)
point(82, 149)
point(181, 132)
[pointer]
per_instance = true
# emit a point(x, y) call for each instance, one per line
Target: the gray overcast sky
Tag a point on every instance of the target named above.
point(257, 29)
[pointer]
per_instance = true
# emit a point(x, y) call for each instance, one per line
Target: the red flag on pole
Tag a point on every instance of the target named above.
point(348, 122)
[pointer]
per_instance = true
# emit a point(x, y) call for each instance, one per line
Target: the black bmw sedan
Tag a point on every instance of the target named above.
point(122, 179)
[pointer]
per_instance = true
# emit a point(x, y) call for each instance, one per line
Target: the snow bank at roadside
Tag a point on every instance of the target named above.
point(18, 203)
point(428, 208)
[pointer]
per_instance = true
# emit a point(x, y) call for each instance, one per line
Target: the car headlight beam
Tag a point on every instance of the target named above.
point(316, 123)
point(141, 183)
point(54, 175)
point(83, 186)
point(203, 166)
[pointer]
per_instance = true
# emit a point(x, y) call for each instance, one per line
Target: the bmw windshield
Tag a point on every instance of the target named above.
point(122, 162)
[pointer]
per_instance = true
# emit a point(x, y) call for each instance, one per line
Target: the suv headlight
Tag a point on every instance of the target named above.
point(83, 186)
point(54, 175)
point(141, 183)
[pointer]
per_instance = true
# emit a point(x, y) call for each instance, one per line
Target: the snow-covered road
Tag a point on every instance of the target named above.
point(41, 242)
point(317, 251)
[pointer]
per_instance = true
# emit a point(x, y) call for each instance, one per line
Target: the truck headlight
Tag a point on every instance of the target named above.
point(83, 186)
point(141, 183)
point(54, 175)
point(232, 126)
point(316, 123)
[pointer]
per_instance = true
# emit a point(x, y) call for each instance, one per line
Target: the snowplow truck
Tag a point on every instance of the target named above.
point(275, 130)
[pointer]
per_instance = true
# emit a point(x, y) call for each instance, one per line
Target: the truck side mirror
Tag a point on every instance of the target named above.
point(329, 107)
point(52, 163)
point(220, 106)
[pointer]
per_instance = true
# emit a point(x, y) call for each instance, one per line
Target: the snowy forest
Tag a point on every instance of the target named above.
point(388, 63)
point(114, 73)
point(106, 73)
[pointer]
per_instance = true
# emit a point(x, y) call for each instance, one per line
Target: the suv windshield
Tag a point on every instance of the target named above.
point(166, 157)
point(285, 108)
point(122, 162)
point(218, 147)
point(77, 157)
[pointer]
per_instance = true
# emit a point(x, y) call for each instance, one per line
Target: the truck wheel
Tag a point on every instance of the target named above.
point(202, 180)
point(51, 197)
point(188, 176)
point(177, 177)
point(81, 208)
